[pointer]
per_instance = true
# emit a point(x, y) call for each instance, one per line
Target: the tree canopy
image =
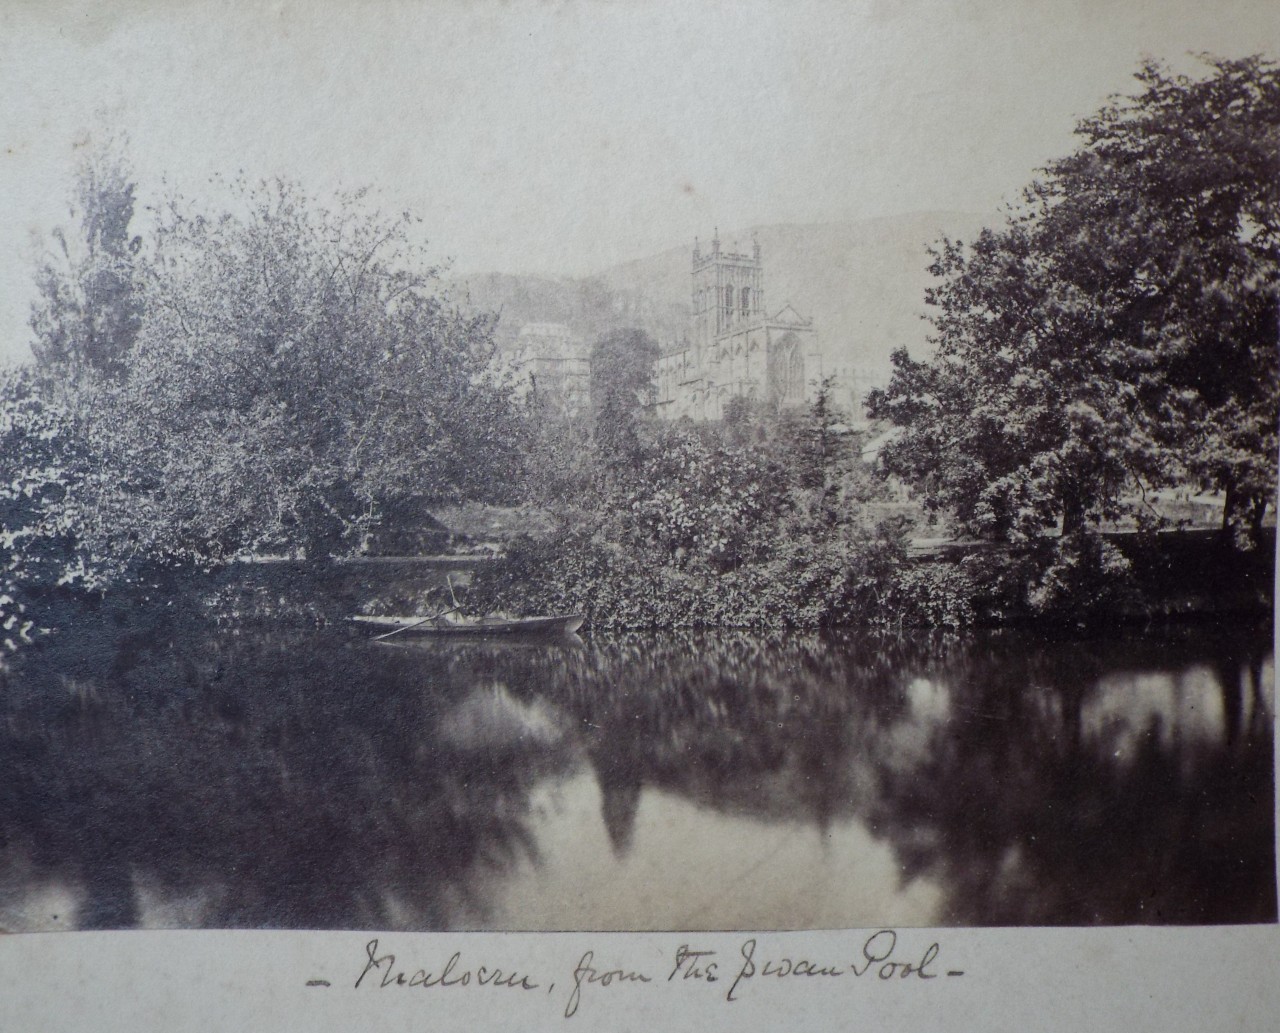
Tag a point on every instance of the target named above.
point(622, 364)
point(294, 371)
point(1119, 332)
point(87, 313)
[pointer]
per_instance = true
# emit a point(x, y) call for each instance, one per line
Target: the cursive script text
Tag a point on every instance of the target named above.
point(452, 974)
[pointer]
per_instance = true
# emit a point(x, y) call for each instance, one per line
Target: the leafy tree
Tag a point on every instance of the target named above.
point(740, 419)
point(822, 440)
point(1012, 425)
point(296, 372)
point(1119, 331)
point(621, 385)
point(1171, 215)
point(698, 500)
point(87, 312)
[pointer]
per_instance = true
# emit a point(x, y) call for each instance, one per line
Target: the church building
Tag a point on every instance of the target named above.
point(733, 348)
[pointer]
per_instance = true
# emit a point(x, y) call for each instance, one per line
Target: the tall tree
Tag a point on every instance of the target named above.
point(1119, 332)
point(622, 364)
point(86, 316)
point(1169, 220)
point(822, 441)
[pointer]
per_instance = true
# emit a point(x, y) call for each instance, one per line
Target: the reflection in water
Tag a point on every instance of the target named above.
point(200, 778)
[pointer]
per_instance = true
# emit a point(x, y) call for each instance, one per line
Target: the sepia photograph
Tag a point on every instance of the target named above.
point(638, 466)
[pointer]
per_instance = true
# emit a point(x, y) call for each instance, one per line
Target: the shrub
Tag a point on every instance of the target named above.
point(41, 468)
point(1082, 578)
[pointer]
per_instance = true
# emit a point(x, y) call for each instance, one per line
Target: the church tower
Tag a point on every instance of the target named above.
point(728, 291)
point(734, 348)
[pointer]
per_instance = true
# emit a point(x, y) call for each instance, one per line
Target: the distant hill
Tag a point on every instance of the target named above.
point(862, 282)
point(589, 306)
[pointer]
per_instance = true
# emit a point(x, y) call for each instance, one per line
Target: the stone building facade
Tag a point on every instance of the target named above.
point(734, 348)
point(851, 384)
point(550, 360)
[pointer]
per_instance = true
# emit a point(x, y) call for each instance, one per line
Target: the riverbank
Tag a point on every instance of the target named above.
point(876, 578)
point(872, 581)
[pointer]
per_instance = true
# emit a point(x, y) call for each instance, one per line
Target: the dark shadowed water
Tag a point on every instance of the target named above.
point(189, 777)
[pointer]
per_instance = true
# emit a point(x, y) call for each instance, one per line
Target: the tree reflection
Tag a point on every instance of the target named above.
point(266, 780)
point(1039, 782)
point(1031, 814)
point(296, 779)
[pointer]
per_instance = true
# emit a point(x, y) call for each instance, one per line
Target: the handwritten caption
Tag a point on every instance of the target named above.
point(880, 956)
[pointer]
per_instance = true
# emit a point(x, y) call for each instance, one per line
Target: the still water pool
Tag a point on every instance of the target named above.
point(200, 777)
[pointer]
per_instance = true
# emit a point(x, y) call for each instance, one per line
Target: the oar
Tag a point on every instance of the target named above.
point(416, 624)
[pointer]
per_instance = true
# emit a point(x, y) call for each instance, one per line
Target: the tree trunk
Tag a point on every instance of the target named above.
point(1255, 518)
point(1072, 514)
point(1230, 503)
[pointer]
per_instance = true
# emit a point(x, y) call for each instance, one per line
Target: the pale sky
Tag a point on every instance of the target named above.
point(561, 138)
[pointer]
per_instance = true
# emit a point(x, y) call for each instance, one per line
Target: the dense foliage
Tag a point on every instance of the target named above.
point(41, 471)
point(621, 385)
point(87, 312)
point(1119, 333)
point(293, 374)
point(756, 523)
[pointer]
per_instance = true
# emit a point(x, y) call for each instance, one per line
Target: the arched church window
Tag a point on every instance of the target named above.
point(746, 300)
point(786, 371)
point(728, 302)
point(795, 374)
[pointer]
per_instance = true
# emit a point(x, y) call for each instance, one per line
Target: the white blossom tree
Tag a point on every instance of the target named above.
point(294, 372)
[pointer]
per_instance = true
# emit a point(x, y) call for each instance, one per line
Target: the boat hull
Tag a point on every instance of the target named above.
point(484, 626)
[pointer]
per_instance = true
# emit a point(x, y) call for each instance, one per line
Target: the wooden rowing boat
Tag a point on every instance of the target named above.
point(451, 625)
